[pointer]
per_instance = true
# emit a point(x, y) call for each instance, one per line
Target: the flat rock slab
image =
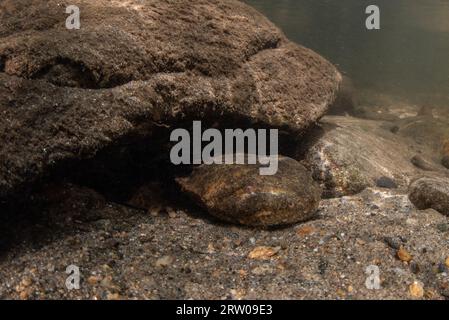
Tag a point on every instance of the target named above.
point(353, 154)
point(240, 195)
point(133, 66)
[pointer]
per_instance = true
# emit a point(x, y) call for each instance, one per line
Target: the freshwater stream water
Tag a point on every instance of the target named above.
point(408, 56)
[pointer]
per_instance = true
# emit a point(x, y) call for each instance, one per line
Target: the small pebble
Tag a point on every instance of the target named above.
point(26, 282)
point(442, 268)
point(393, 242)
point(386, 182)
point(323, 265)
point(24, 295)
point(422, 164)
point(154, 212)
point(113, 296)
point(164, 261)
point(305, 231)
point(416, 290)
point(414, 267)
point(108, 283)
point(93, 280)
point(171, 213)
point(403, 255)
point(263, 253)
point(262, 270)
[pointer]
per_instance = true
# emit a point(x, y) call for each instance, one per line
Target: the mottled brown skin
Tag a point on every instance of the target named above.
point(239, 194)
point(65, 94)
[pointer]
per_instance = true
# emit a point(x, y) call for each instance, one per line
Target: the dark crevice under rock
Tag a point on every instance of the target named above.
point(135, 159)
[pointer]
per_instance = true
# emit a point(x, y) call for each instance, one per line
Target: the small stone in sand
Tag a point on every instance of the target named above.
point(422, 163)
point(263, 253)
point(393, 242)
point(24, 295)
point(164, 261)
point(403, 255)
point(305, 231)
point(171, 212)
point(93, 280)
point(386, 182)
point(416, 290)
point(113, 296)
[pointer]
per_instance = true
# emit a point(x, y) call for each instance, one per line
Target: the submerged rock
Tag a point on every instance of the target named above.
point(353, 154)
point(386, 182)
point(431, 193)
point(430, 133)
point(135, 66)
point(422, 163)
point(239, 194)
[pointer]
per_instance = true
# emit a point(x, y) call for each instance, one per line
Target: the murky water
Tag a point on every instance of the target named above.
point(408, 56)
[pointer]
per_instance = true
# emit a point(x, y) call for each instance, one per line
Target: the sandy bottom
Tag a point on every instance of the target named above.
point(126, 253)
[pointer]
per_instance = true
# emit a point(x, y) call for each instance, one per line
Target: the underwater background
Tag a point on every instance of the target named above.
point(407, 57)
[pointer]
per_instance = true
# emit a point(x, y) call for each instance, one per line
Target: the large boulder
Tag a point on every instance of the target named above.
point(134, 66)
